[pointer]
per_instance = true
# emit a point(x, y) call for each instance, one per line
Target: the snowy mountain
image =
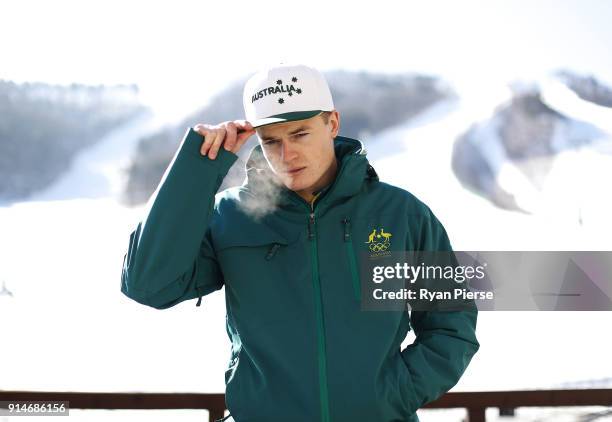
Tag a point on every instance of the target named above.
point(510, 156)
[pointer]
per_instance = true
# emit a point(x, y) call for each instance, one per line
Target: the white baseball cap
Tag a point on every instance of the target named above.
point(284, 93)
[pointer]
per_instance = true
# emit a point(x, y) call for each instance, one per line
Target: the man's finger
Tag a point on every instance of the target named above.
point(200, 129)
point(244, 124)
point(242, 138)
point(230, 137)
point(214, 148)
point(209, 138)
point(245, 131)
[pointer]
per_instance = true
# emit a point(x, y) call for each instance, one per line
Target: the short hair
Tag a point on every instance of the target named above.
point(325, 116)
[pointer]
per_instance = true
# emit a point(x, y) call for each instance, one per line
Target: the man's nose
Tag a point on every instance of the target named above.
point(288, 152)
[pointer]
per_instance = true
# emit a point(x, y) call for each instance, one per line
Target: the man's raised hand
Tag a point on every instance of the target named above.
point(231, 134)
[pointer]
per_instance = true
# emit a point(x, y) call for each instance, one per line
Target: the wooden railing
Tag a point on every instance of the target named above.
point(474, 402)
point(507, 401)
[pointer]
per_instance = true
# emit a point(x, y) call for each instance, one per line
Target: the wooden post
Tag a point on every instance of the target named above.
point(215, 413)
point(476, 414)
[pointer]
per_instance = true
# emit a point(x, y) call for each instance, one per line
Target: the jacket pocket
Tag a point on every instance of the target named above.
point(395, 391)
point(406, 385)
point(252, 235)
point(350, 254)
point(263, 275)
point(260, 244)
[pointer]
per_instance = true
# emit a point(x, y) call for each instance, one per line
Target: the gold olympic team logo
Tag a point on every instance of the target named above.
point(379, 240)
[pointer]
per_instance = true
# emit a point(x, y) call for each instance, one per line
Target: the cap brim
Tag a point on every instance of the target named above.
point(286, 117)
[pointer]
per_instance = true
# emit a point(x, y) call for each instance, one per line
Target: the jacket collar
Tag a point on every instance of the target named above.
point(353, 170)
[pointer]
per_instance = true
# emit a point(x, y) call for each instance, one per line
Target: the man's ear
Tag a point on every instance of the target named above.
point(334, 119)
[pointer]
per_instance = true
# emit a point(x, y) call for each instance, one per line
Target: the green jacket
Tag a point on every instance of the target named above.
point(302, 350)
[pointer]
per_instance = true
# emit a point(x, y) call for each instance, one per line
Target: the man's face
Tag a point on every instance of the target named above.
point(301, 153)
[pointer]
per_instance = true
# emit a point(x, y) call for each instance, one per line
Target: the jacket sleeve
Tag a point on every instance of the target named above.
point(170, 256)
point(445, 340)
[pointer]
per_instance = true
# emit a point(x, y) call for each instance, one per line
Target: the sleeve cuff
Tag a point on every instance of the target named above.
point(192, 142)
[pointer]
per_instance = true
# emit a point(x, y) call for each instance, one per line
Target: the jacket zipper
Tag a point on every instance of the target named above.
point(316, 283)
point(350, 253)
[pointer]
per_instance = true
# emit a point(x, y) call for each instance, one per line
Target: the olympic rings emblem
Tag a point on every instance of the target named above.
point(378, 246)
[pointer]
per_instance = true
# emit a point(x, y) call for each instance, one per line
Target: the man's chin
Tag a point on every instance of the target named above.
point(294, 185)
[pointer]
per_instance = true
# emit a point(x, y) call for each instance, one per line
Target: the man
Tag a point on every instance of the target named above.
point(285, 245)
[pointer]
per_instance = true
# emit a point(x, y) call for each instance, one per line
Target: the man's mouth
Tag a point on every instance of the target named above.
point(295, 170)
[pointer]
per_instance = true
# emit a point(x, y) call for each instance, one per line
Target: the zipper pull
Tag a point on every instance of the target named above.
point(272, 251)
point(311, 223)
point(200, 296)
point(347, 232)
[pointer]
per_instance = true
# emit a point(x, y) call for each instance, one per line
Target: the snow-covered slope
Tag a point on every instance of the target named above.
point(66, 325)
point(98, 171)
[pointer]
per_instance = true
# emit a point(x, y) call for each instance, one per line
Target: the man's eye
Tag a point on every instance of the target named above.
point(302, 134)
point(271, 142)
